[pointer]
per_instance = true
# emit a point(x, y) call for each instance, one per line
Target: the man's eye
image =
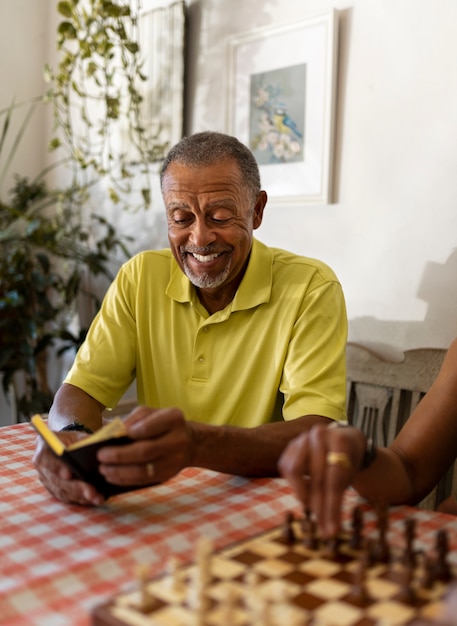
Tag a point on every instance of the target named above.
point(182, 220)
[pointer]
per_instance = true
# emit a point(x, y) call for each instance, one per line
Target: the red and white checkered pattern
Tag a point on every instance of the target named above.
point(58, 561)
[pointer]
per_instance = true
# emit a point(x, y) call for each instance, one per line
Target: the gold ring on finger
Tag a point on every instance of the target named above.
point(338, 458)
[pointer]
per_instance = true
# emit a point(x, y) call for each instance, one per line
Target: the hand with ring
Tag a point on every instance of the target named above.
point(162, 445)
point(319, 465)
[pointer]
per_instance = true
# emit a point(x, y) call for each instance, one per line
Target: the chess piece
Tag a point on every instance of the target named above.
point(146, 601)
point(228, 608)
point(407, 593)
point(359, 594)
point(173, 572)
point(428, 566)
point(355, 541)
point(382, 550)
point(442, 569)
point(331, 547)
point(309, 526)
point(251, 597)
point(409, 556)
point(204, 551)
point(288, 532)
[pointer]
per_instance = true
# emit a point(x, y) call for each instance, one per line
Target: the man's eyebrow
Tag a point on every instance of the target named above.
point(174, 206)
point(226, 203)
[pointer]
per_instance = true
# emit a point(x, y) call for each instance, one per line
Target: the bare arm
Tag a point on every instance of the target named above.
point(73, 404)
point(247, 451)
point(402, 473)
point(165, 439)
point(425, 447)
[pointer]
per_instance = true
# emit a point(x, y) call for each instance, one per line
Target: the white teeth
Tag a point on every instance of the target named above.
point(205, 259)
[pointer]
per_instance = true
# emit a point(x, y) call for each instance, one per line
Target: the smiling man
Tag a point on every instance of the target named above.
point(236, 347)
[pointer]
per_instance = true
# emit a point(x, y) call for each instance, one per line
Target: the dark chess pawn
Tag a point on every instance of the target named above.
point(442, 568)
point(359, 594)
point(331, 547)
point(309, 526)
point(288, 530)
point(407, 593)
point(356, 540)
point(409, 555)
point(428, 579)
point(382, 550)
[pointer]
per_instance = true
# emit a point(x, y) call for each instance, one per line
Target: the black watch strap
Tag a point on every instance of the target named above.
point(77, 426)
point(370, 454)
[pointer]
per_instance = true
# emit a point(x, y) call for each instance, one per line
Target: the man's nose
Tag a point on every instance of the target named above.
point(202, 234)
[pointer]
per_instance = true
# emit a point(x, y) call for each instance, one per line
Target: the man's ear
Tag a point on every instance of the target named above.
point(258, 209)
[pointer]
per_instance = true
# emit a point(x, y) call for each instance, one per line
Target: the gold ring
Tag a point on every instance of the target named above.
point(150, 470)
point(338, 458)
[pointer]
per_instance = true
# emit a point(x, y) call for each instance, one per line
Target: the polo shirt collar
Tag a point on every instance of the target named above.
point(254, 289)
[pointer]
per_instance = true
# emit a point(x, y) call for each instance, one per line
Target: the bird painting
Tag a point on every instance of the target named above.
point(283, 123)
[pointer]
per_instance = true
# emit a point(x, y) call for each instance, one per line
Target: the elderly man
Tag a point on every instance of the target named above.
point(236, 347)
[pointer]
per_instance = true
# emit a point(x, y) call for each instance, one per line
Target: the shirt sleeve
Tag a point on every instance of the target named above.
point(314, 376)
point(104, 366)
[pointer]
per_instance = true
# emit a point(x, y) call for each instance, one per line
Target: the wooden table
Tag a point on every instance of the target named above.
point(59, 561)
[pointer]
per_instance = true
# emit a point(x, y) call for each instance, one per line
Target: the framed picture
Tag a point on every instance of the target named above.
point(281, 101)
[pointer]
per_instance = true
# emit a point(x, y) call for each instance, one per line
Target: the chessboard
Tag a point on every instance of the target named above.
point(289, 576)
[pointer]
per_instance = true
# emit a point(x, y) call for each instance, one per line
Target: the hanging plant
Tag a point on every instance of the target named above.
point(96, 94)
point(49, 241)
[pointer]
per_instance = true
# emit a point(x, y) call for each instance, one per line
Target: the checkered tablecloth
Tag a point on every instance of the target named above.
point(58, 561)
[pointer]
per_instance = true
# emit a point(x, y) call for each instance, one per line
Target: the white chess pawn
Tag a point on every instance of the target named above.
point(145, 598)
point(265, 617)
point(251, 592)
point(204, 552)
point(228, 608)
point(173, 571)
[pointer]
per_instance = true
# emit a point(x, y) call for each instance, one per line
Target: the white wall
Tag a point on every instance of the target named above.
point(23, 47)
point(391, 234)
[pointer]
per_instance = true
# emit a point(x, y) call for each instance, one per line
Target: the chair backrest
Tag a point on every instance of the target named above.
point(382, 395)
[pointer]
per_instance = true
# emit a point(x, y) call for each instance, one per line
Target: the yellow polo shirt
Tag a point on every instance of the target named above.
point(277, 351)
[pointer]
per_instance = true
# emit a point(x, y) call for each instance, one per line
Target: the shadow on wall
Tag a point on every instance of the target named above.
point(438, 288)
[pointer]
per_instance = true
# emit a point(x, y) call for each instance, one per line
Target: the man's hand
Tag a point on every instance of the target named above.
point(319, 465)
point(163, 445)
point(56, 476)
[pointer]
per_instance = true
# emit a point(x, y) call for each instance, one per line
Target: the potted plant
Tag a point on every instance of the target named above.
point(50, 240)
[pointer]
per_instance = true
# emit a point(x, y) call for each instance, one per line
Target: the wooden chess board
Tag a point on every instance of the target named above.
point(285, 576)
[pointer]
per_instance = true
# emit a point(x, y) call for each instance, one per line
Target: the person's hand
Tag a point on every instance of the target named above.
point(57, 477)
point(162, 447)
point(319, 465)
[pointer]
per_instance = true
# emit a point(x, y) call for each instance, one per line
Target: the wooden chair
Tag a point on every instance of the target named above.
point(382, 394)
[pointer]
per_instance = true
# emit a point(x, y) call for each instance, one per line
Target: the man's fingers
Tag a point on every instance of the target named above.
point(293, 465)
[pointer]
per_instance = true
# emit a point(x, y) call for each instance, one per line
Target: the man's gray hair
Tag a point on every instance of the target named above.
point(209, 147)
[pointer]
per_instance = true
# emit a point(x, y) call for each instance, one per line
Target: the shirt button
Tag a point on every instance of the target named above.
point(201, 359)
point(205, 329)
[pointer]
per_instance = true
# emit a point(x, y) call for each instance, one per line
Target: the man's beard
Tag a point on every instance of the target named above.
point(202, 280)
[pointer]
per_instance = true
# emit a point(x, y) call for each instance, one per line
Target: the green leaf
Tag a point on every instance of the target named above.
point(132, 46)
point(146, 193)
point(65, 9)
point(54, 144)
point(114, 197)
point(67, 30)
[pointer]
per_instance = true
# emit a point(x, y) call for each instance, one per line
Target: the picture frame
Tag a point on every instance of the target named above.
point(281, 103)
